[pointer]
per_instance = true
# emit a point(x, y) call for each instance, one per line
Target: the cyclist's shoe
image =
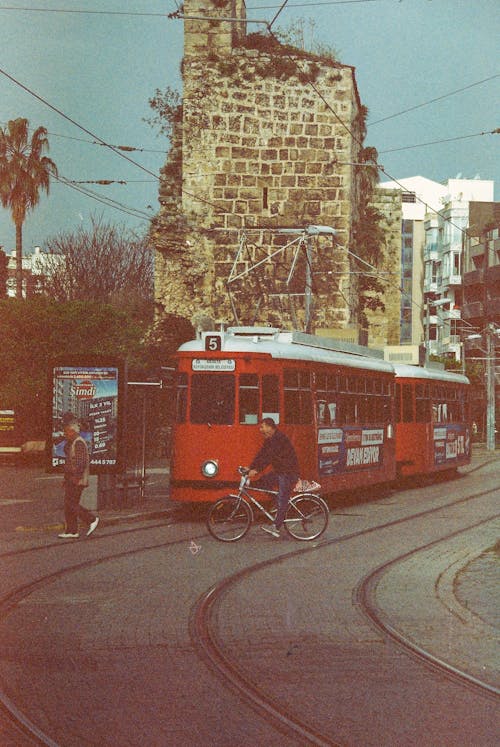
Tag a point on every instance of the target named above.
point(271, 529)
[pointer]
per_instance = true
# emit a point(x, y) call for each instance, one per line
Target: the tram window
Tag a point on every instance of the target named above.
point(305, 380)
point(212, 398)
point(422, 404)
point(375, 410)
point(322, 412)
point(332, 383)
point(181, 398)
point(249, 399)
point(461, 405)
point(298, 397)
point(298, 407)
point(270, 395)
point(291, 378)
point(398, 403)
point(326, 411)
point(321, 382)
point(407, 403)
point(348, 409)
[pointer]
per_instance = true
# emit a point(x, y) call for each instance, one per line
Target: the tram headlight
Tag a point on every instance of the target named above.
point(210, 468)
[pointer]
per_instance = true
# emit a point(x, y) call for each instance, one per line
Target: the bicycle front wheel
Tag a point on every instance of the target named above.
point(229, 518)
point(307, 516)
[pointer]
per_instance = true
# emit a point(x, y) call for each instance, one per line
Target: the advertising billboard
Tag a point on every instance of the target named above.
point(91, 394)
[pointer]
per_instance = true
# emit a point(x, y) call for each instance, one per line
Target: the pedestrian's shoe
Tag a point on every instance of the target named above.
point(68, 535)
point(271, 529)
point(92, 526)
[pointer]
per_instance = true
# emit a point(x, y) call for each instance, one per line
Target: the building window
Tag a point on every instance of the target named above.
point(408, 197)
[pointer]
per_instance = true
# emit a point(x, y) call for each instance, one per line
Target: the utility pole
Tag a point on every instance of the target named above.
point(308, 288)
point(490, 387)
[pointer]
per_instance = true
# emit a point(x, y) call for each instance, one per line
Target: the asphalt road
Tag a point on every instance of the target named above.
point(151, 632)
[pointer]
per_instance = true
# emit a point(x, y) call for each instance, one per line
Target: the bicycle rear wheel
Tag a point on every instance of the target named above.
point(229, 518)
point(307, 516)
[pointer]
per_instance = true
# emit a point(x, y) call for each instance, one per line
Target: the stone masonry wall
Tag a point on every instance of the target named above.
point(257, 147)
point(384, 326)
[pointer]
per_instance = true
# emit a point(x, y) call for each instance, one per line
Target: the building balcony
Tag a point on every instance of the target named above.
point(431, 286)
point(494, 308)
point(474, 277)
point(447, 314)
point(493, 275)
point(431, 254)
point(473, 310)
point(450, 280)
point(451, 340)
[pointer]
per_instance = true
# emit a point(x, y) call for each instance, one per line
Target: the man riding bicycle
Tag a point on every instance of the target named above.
point(278, 452)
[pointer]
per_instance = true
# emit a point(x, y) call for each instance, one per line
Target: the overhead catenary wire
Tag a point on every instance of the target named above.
point(108, 201)
point(82, 11)
point(117, 149)
point(433, 101)
point(152, 14)
point(74, 122)
point(440, 142)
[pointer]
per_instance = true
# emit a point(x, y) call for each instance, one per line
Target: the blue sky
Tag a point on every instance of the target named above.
point(100, 69)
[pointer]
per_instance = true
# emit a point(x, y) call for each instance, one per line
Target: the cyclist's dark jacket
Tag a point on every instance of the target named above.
point(278, 452)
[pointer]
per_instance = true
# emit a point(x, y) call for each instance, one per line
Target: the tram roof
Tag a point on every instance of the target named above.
point(292, 346)
point(404, 371)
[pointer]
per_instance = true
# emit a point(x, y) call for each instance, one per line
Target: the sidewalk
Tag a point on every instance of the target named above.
point(31, 503)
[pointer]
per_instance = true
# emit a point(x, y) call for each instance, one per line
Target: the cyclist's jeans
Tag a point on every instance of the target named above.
point(285, 484)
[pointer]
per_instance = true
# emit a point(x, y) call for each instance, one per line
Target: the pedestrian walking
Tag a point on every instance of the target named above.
point(76, 478)
point(277, 451)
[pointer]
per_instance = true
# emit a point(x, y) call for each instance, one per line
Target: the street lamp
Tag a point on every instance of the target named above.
point(490, 332)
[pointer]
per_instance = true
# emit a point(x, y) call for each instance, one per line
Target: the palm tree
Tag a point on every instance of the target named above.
point(24, 171)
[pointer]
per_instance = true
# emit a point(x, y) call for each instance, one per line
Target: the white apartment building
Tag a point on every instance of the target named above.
point(444, 270)
point(419, 196)
point(435, 217)
point(36, 267)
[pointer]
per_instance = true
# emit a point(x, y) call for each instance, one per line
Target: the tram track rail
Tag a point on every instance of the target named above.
point(365, 595)
point(203, 628)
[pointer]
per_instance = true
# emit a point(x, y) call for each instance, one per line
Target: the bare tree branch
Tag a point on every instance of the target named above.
point(107, 264)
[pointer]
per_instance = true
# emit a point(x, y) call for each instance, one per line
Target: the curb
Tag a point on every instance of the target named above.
point(104, 520)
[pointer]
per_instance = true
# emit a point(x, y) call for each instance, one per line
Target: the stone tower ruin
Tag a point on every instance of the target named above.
point(266, 139)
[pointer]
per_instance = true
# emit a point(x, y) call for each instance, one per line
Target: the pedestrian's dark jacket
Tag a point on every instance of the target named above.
point(278, 452)
point(76, 467)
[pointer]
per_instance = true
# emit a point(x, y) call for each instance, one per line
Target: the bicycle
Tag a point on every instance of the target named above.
point(230, 518)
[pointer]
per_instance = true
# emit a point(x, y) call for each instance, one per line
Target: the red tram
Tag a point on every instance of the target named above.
point(432, 420)
point(343, 408)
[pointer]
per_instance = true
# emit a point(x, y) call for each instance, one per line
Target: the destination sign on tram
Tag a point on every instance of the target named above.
point(213, 364)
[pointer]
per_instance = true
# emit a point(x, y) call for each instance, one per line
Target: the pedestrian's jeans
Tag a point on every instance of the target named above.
point(285, 484)
point(72, 509)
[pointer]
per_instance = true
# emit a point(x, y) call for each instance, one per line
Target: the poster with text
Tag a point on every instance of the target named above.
point(88, 395)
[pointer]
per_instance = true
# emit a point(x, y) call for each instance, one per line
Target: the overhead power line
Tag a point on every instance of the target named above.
point(127, 148)
point(433, 101)
point(135, 213)
point(165, 15)
point(438, 142)
point(74, 122)
point(82, 12)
